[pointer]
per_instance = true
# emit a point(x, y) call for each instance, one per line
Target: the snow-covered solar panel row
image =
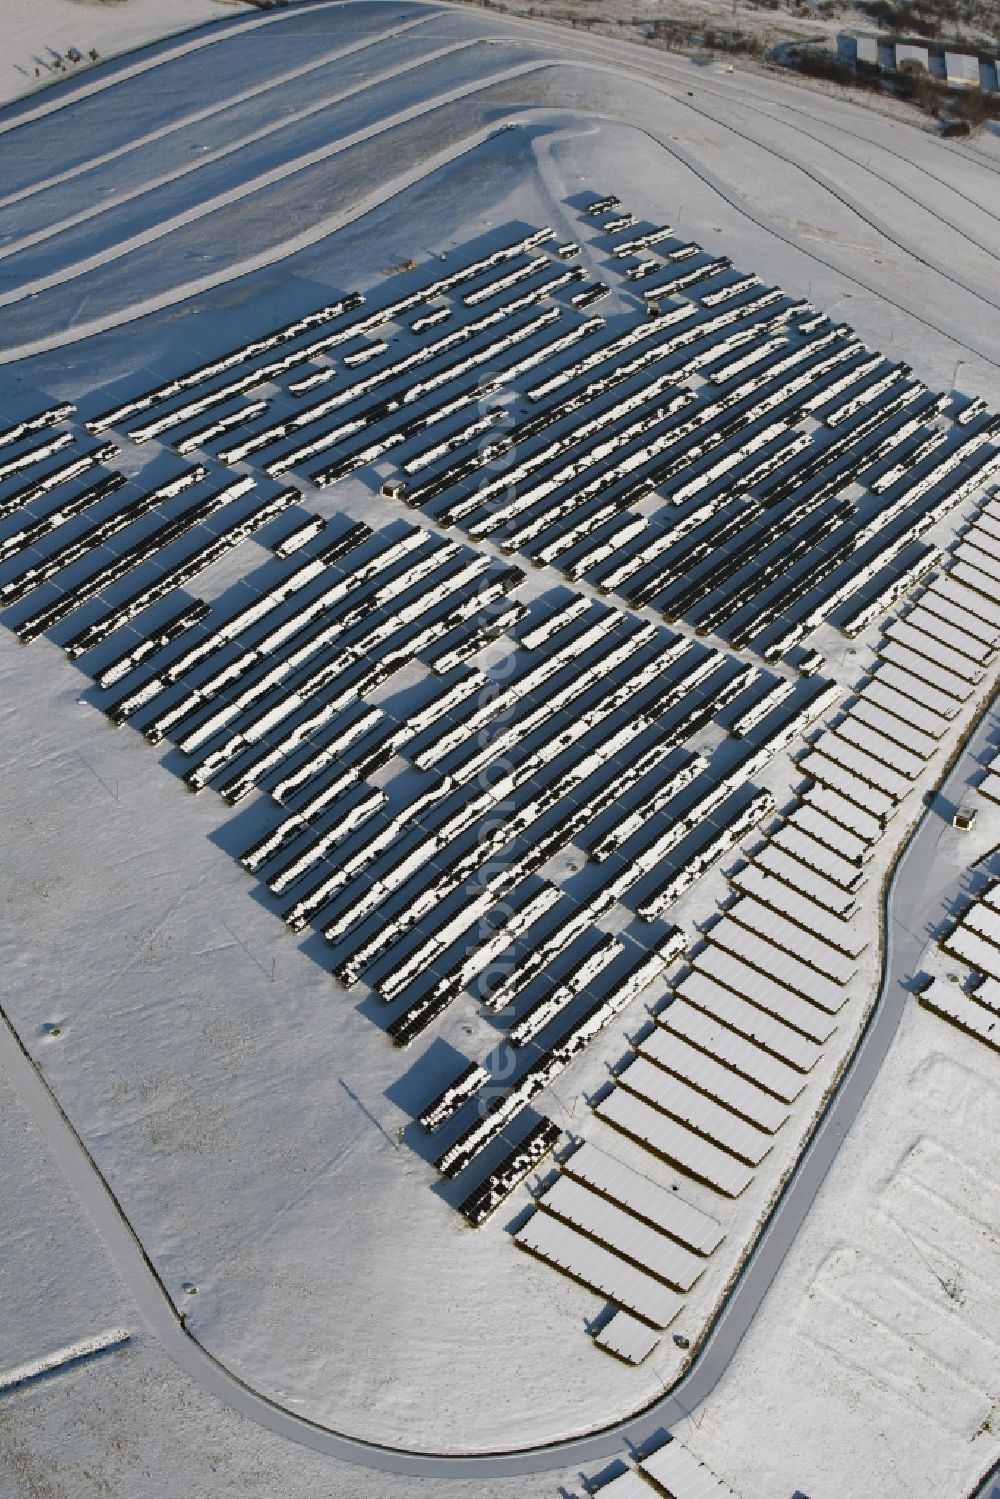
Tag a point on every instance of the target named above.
point(37, 423)
point(872, 740)
point(816, 700)
point(933, 706)
point(777, 860)
point(943, 683)
point(971, 411)
point(680, 1475)
point(898, 584)
point(365, 595)
point(632, 1341)
point(461, 507)
point(936, 648)
point(485, 422)
point(985, 922)
point(797, 905)
point(804, 947)
point(330, 437)
point(987, 992)
point(916, 456)
point(974, 579)
point(64, 474)
point(644, 268)
point(667, 1137)
point(266, 603)
point(865, 397)
point(761, 349)
point(186, 618)
point(960, 1007)
point(722, 1003)
point(558, 619)
point(351, 691)
point(672, 1054)
point(639, 333)
point(99, 533)
point(321, 316)
point(242, 355)
point(37, 530)
point(684, 280)
point(607, 547)
point(291, 630)
point(990, 787)
point(726, 1048)
point(434, 998)
point(526, 685)
point(501, 283)
point(863, 764)
point(692, 766)
point(727, 293)
point(825, 807)
point(663, 1209)
point(956, 490)
point(379, 653)
point(979, 952)
point(759, 972)
point(888, 715)
point(603, 952)
point(305, 644)
point(548, 949)
point(152, 543)
point(467, 868)
point(811, 846)
point(300, 536)
point(35, 454)
point(592, 294)
point(497, 516)
point(199, 439)
point(368, 351)
point(519, 1162)
point(551, 1063)
point(354, 817)
point(501, 621)
point(453, 1097)
point(617, 1230)
point(641, 242)
point(975, 557)
point(179, 574)
point(774, 697)
point(724, 834)
point(831, 773)
point(599, 1268)
point(840, 840)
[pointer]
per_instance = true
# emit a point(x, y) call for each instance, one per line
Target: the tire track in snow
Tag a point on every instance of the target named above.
point(189, 169)
point(210, 111)
point(112, 72)
point(10, 354)
point(265, 179)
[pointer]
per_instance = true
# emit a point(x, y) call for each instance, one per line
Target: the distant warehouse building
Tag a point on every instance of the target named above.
point(961, 70)
point(906, 52)
point(868, 51)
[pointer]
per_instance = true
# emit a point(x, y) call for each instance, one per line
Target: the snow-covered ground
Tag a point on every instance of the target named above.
point(35, 35)
point(130, 1424)
point(245, 1111)
point(873, 1359)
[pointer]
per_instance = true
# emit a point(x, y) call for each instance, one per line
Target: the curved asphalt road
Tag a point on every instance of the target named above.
point(915, 902)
